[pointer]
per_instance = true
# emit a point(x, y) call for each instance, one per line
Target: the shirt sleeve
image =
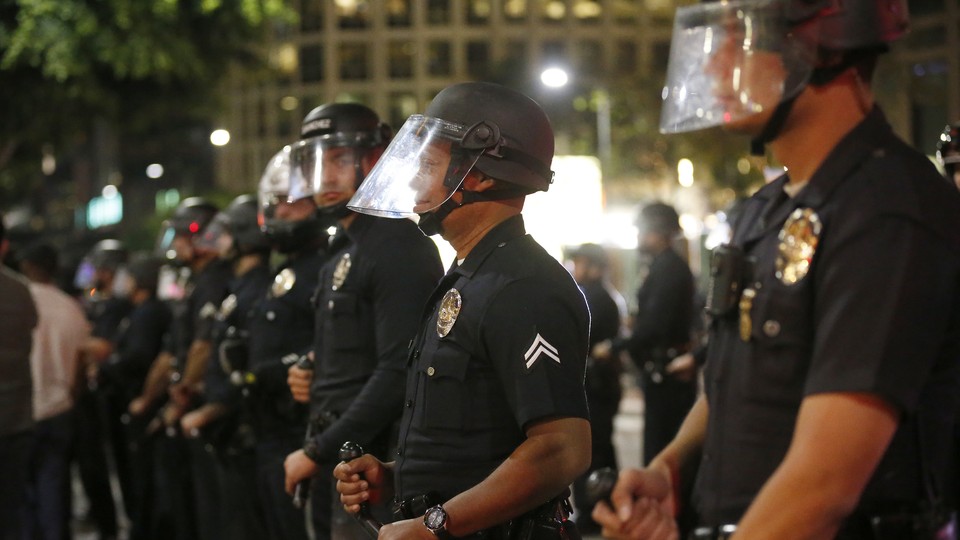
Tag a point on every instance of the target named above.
point(536, 335)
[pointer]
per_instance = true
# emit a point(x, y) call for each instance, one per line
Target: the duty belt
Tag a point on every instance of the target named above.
point(893, 526)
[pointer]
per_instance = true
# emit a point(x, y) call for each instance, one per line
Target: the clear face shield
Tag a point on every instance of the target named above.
point(329, 167)
point(729, 61)
point(216, 237)
point(284, 193)
point(423, 166)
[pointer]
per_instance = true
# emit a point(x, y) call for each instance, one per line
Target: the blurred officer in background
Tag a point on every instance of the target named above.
point(495, 427)
point(97, 414)
point(138, 341)
point(185, 481)
point(832, 363)
point(236, 235)
point(607, 313)
point(281, 332)
point(18, 318)
point(948, 153)
point(378, 275)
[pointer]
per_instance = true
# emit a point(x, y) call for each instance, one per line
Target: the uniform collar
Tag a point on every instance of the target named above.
point(358, 227)
point(498, 236)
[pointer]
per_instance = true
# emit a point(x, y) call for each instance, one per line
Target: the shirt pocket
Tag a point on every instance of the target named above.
point(444, 388)
point(343, 321)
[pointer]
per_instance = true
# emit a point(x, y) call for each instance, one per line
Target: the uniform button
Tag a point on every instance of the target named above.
point(771, 328)
point(271, 315)
point(431, 371)
point(330, 304)
point(501, 244)
point(409, 403)
point(399, 451)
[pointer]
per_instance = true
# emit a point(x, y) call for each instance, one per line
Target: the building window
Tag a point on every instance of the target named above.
point(478, 59)
point(478, 12)
point(399, 13)
point(589, 57)
point(354, 14)
point(625, 11)
point(353, 61)
point(587, 11)
point(311, 16)
point(515, 10)
point(661, 53)
point(402, 105)
point(438, 59)
point(400, 57)
point(626, 60)
point(311, 63)
point(553, 52)
point(438, 12)
point(553, 11)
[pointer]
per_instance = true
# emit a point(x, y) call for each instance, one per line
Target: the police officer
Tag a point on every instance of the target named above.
point(379, 274)
point(832, 370)
point(99, 407)
point(281, 331)
point(948, 153)
point(185, 479)
point(660, 331)
point(602, 381)
point(238, 239)
point(138, 341)
point(495, 424)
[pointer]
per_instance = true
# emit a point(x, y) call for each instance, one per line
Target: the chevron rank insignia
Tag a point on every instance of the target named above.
point(540, 347)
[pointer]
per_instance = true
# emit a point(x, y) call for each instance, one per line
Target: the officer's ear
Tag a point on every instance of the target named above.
point(477, 181)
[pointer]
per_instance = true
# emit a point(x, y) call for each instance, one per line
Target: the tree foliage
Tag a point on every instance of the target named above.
point(132, 63)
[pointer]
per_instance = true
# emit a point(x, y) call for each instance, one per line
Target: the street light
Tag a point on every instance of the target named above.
point(555, 77)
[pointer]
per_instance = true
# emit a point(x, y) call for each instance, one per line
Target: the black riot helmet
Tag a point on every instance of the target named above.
point(189, 219)
point(108, 254)
point(716, 72)
point(469, 126)
point(659, 218)
point(236, 230)
point(145, 273)
point(948, 151)
point(335, 138)
point(287, 212)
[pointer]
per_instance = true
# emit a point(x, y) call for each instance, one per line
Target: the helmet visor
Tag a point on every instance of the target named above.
point(328, 166)
point(424, 164)
point(731, 60)
point(216, 236)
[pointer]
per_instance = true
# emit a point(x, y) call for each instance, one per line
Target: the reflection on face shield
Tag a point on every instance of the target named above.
point(729, 61)
point(428, 181)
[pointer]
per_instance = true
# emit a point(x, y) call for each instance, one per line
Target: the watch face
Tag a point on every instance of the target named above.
point(435, 518)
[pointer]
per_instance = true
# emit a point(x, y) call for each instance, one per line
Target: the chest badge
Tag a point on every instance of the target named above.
point(798, 244)
point(227, 306)
point(449, 310)
point(340, 272)
point(283, 282)
point(208, 311)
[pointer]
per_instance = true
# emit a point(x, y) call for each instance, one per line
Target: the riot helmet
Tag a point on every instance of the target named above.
point(144, 273)
point(287, 212)
point(732, 60)
point(235, 231)
point(339, 143)
point(100, 264)
point(948, 152)
point(480, 126)
point(178, 233)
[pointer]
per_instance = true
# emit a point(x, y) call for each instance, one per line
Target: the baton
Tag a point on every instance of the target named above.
point(350, 451)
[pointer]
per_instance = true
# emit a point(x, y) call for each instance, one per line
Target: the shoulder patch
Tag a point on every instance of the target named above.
point(540, 347)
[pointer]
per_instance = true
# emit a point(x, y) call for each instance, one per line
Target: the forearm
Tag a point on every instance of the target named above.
point(680, 455)
point(158, 378)
point(198, 356)
point(553, 455)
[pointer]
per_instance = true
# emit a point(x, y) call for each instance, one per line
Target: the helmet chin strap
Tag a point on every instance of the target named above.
point(431, 222)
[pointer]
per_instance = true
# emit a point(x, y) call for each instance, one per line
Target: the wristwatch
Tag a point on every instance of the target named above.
point(435, 519)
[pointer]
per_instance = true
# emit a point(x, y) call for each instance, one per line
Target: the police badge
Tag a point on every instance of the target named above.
point(226, 307)
point(283, 282)
point(449, 310)
point(341, 271)
point(798, 244)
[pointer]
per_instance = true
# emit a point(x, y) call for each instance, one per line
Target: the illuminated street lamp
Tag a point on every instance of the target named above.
point(555, 77)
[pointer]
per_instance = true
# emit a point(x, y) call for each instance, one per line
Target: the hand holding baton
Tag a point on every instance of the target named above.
point(349, 451)
point(302, 490)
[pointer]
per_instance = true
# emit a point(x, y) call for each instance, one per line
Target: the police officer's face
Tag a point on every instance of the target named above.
point(338, 176)
point(225, 246)
point(747, 84)
point(298, 210)
point(428, 180)
point(183, 248)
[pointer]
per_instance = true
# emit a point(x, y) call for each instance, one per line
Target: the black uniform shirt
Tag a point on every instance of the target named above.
point(664, 307)
point(372, 289)
point(138, 340)
point(105, 315)
point(193, 316)
point(281, 327)
point(876, 313)
point(514, 354)
point(230, 333)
